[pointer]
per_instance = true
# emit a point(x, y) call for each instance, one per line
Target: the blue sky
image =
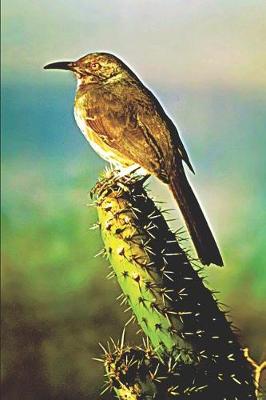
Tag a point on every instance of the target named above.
point(196, 43)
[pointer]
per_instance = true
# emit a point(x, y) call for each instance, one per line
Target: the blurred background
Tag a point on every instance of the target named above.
point(206, 61)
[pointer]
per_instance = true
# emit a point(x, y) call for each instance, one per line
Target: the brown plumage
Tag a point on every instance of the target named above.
point(126, 125)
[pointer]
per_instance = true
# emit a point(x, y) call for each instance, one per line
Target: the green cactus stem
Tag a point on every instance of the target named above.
point(167, 296)
point(138, 373)
point(138, 271)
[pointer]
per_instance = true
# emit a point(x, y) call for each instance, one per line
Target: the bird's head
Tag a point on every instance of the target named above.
point(93, 68)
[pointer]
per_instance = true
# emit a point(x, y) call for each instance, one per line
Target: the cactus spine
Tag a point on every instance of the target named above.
point(173, 307)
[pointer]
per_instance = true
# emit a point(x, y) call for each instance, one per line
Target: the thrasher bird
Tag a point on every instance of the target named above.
point(127, 126)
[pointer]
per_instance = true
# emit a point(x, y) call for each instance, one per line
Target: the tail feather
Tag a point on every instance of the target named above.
point(197, 225)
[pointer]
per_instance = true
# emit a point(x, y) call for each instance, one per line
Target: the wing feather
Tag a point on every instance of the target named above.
point(135, 125)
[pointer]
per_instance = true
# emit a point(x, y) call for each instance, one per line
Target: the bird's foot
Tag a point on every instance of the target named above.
point(127, 171)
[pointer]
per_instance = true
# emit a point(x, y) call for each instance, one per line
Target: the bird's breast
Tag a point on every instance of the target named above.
point(81, 120)
point(93, 138)
point(97, 143)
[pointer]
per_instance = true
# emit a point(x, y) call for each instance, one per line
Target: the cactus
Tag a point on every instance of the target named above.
point(138, 373)
point(174, 308)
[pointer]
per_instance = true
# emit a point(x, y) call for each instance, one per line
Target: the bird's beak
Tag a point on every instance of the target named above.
point(68, 65)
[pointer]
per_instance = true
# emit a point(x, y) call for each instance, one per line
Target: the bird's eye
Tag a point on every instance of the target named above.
point(95, 66)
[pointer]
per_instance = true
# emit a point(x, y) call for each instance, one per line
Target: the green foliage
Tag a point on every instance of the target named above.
point(56, 303)
point(52, 319)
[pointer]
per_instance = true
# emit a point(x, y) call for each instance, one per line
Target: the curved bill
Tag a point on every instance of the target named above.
point(59, 65)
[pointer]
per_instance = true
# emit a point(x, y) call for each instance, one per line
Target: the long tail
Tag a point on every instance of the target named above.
point(197, 225)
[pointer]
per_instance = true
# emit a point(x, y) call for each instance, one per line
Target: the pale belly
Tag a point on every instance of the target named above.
point(104, 151)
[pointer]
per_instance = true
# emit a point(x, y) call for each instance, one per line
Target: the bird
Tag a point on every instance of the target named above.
point(127, 126)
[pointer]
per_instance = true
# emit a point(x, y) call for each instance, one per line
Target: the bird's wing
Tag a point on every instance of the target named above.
point(121, 127)
point(138, 128)
point(166, 125)
point(178, 142)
